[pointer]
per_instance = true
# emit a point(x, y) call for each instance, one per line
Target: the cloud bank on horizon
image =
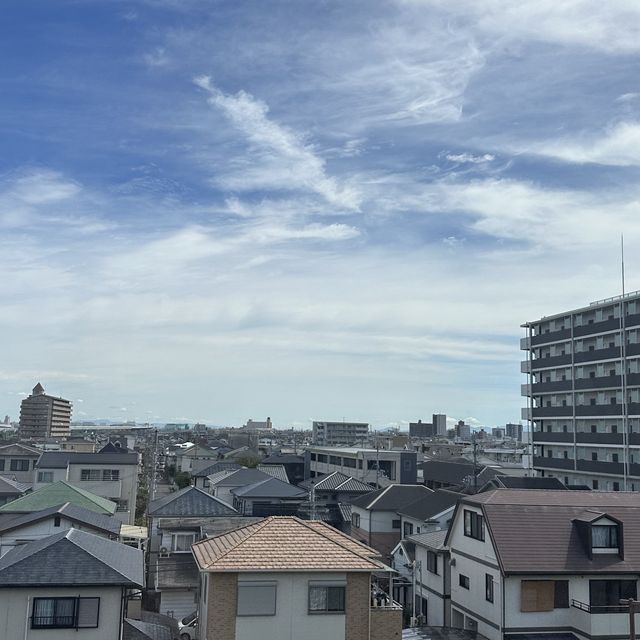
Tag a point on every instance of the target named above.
point(216, 211)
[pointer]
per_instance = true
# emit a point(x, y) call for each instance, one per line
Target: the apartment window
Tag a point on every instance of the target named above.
point(473, 525)
point(565, 454)
point(355, 519)
point(2, 465)
point(605, 595)
point(45, 476)
point(616, 486)
point(326, 598)
point(122, 505)
point(335, 460)
point(614, 428)
point(110, 475)
point(65, 613)
point(395, 524)
point(592, 401)
point(349, 462)
point(322, 457)
point(408, 529)
point(488, 587)
point(594, 428)
point(432, 562)
point(594, 484)
point(181, 542)
point(90, 474)
point(19, 465)
point(614, 457)
point(463, 581)
point(313, 457)
point(614, 400)
point(544, 595)
point(564, 428)
point(594, 456)
point(257, 598)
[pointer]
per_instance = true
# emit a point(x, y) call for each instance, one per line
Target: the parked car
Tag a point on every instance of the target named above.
point(188, 627)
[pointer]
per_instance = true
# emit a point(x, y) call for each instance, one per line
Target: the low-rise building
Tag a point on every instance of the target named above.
point(329, 434)
point(69, 585)
point(268, 497)
point(289, 578)
point(544, 562)
point(111, 475)
point(18, 462)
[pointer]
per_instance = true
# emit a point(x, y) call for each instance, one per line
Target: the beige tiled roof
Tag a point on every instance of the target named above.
point(285, 544)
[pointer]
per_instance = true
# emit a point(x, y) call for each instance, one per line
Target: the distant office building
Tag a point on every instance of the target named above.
point(497, 433)
point(463, 431)
point(44, 416)
point(434, 429)
point(514, 430)
point(583, 393)
point(328, 434)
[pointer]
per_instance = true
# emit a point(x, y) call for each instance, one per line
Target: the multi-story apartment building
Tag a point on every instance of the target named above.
point(44, 416)
point(583, 392)
point(378, 467)
point(329, 434)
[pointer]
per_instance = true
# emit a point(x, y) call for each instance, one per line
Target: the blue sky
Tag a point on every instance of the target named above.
point(215, 210)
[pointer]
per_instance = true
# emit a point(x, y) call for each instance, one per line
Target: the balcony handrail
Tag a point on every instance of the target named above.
point(613, 608)
point(614, 298)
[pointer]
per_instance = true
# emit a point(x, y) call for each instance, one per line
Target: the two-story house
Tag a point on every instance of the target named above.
point(268, 497)
point(20, 528)
point(70, 585)
point(285, 579)
point(374, 516)
point(222, 483)
point(176, 521)
point(18, 462)
point(544, 562)
point(430, 512)
point(111, 475)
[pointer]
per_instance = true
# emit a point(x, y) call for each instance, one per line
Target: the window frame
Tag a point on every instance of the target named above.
point(432, 562)
point(14, 466)
point(90, 475)
point(464, 582)
point(473, 525)
point(259, 584)
point(327, 587)
point(75, 623)
point(488, 587)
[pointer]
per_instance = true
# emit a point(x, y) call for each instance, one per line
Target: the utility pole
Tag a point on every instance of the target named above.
point(475, 463)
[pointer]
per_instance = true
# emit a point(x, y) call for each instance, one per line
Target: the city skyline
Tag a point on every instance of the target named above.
point(217, 211)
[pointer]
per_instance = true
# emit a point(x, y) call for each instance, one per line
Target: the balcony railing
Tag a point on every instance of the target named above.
point(596, 609)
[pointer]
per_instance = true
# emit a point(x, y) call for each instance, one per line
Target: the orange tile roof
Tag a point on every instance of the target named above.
point(285, 544)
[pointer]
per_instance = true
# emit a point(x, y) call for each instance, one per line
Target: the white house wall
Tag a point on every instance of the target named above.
point(292, 619)
point(434, 588)
point(16, 608)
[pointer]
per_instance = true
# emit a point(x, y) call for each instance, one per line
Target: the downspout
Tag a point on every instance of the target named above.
point(26, 620)
point(122, 597)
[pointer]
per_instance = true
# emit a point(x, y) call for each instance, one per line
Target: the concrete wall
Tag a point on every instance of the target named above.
point(386, 624)
point(16, 607)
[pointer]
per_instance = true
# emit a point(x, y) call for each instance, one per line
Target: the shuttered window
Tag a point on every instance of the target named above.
point(537, 595)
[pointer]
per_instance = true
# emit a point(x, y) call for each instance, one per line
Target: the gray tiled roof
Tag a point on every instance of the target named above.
point(392, 498)
point(10, 487)
point(189, 502)
point(269, 488)
point(283, 458)
point(72, 557)
point(275, 470)
point(72, 512)
point(204, 468)
point(431, 539)
point(430, 504)
point(242, 477)
point(337, 481)
point(61, 459)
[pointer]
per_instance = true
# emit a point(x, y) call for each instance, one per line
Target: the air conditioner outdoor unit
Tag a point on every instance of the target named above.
point(164, 552)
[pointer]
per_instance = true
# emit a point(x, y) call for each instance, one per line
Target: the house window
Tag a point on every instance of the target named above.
point(65, 613)
point(122, 505)
point(349, 462)
point(432, 562)
point(110, 475)
point(395, 524)
point(463, 581)
point(19, 465)
point(473, 525)
point(605, 595)
point(56, 521)
point(488, 587)
point(257, 598)
point(90, 474)
point(604, 536)
point(408, 529)
point(355, 519)
point(544, 595)
point(181, 542)
point(2, 465)
point(326, 599)
point(45, 476)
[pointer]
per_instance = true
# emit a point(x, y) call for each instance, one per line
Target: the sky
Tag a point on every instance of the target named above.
point(215, 210)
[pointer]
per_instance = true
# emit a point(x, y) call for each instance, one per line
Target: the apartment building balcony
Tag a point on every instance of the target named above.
point(608, 353)
point(598, 383)
point(597, 466)
point(553, 412)
point(550, 336)
point(551, 361)
point(553, 463)
point(587, 437)
point(550, 387)
point(525, 413)
point(525, 343)
point(599, 410)
point(552, 436)
point(525, 366)
point(597, 327)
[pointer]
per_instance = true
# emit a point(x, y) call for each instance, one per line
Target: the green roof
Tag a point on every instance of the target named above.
point(59, 493)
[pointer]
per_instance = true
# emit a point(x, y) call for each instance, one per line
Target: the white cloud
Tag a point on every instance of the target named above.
point(287, 161)
point(608, 26)
point(464, 158)
point(618, 146)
